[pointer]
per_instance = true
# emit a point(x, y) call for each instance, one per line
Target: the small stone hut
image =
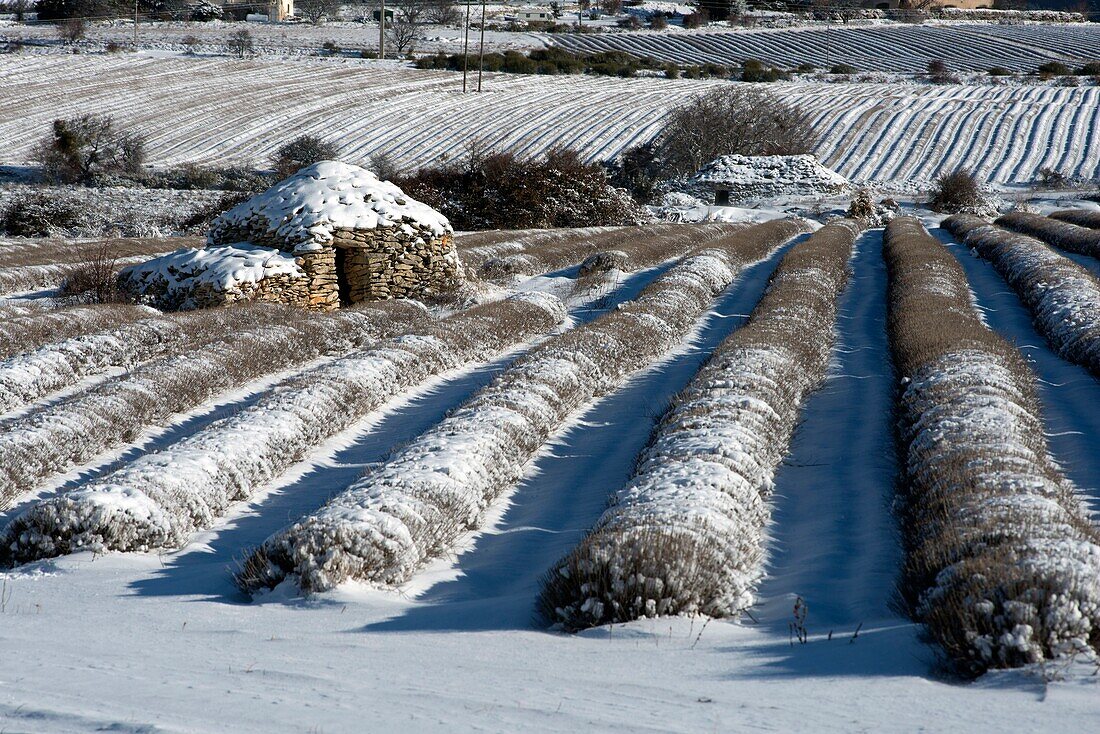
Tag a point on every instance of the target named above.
point(333, 235)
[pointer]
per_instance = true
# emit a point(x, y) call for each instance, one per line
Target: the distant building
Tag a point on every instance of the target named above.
point(280, 10)
point(535, 15)
point(276, 10)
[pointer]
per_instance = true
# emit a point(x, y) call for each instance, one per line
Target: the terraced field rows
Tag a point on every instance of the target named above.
point(217, 110)
point(972, 47)
point(707, 474)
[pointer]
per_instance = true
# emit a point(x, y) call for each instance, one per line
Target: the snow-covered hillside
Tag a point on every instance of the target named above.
point(216, 110)
point(969, 46)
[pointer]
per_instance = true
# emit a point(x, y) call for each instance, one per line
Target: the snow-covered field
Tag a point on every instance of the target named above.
point(165, 641)
point(966, 46)
point(216, 110)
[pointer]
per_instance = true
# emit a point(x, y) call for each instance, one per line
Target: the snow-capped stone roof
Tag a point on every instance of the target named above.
point(769, 176)
point(305, 209)
point(225, 267)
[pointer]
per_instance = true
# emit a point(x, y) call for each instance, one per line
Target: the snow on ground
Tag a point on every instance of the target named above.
point(900, 47)
point(218, 110)
point(165, 643)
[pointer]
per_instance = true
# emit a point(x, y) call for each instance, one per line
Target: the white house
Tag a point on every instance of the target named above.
point(535, 15)
point(279, 10)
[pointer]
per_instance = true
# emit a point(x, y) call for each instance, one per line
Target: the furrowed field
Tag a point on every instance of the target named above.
point(816, 461)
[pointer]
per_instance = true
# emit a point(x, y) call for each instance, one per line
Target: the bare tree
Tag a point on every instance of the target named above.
point(240, 43)
point(731, 121)
point(71, 30)
point(403, 29)
point(81, 148)
point(316, 11)
point(20, 8)
point(441, 12)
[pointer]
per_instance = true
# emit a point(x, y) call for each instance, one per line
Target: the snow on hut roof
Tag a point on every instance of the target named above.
point(771, 175)
point(225, 267)
point(307, 207)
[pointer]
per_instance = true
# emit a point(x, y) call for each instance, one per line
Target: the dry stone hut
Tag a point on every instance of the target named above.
point(330, 235)
point(737, 179)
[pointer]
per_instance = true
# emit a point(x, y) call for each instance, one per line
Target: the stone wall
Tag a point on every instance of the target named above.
point(272, 289)
point(405, 261)
point(389, 263)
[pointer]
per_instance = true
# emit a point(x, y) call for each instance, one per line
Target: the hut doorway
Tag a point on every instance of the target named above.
point(343, 285)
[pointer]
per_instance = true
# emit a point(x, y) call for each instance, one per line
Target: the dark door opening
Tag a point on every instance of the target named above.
point(342, 284)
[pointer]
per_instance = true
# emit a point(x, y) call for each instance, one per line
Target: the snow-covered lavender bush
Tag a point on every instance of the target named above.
point(1063, 297)
point(158, 500)
point(1080, 217)
point(55, 366)
point(642, 247)
point(686, 533)
point(24, 332)
point(1065, 235)
point(263, 339)
point(418, 504)
point(1002, 559)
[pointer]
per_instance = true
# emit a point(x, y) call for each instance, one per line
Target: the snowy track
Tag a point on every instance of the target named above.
point(218, 111)
point(833, 541)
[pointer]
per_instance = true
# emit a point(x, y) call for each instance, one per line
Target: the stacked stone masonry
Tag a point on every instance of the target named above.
point(406, 261)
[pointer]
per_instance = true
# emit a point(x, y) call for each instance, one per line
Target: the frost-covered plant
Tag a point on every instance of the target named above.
point(1002, 560)
point(39, 214)
point(958, 192)
point(258, 339)
point(1059, 232)
point(1063, 297)
point(24, 333)
point(160, 499)
point(640, 247)
point(55, 366)
point(1081, 217)
point(414, 507)
point(686, 533)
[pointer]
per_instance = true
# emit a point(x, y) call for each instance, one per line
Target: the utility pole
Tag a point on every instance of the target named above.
point(135, 23)
point(481, 54)
point(382, 31)
point(466, 48)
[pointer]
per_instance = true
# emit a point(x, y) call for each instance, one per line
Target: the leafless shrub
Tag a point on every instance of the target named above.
point(95, 280)
point(317, 11)
point(240, 43)
point(673, 545)
point(1055, 231)
point(442, 12)
point(1001, 558)
point(956, 193)
point(729, 121)
point(72, 30)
